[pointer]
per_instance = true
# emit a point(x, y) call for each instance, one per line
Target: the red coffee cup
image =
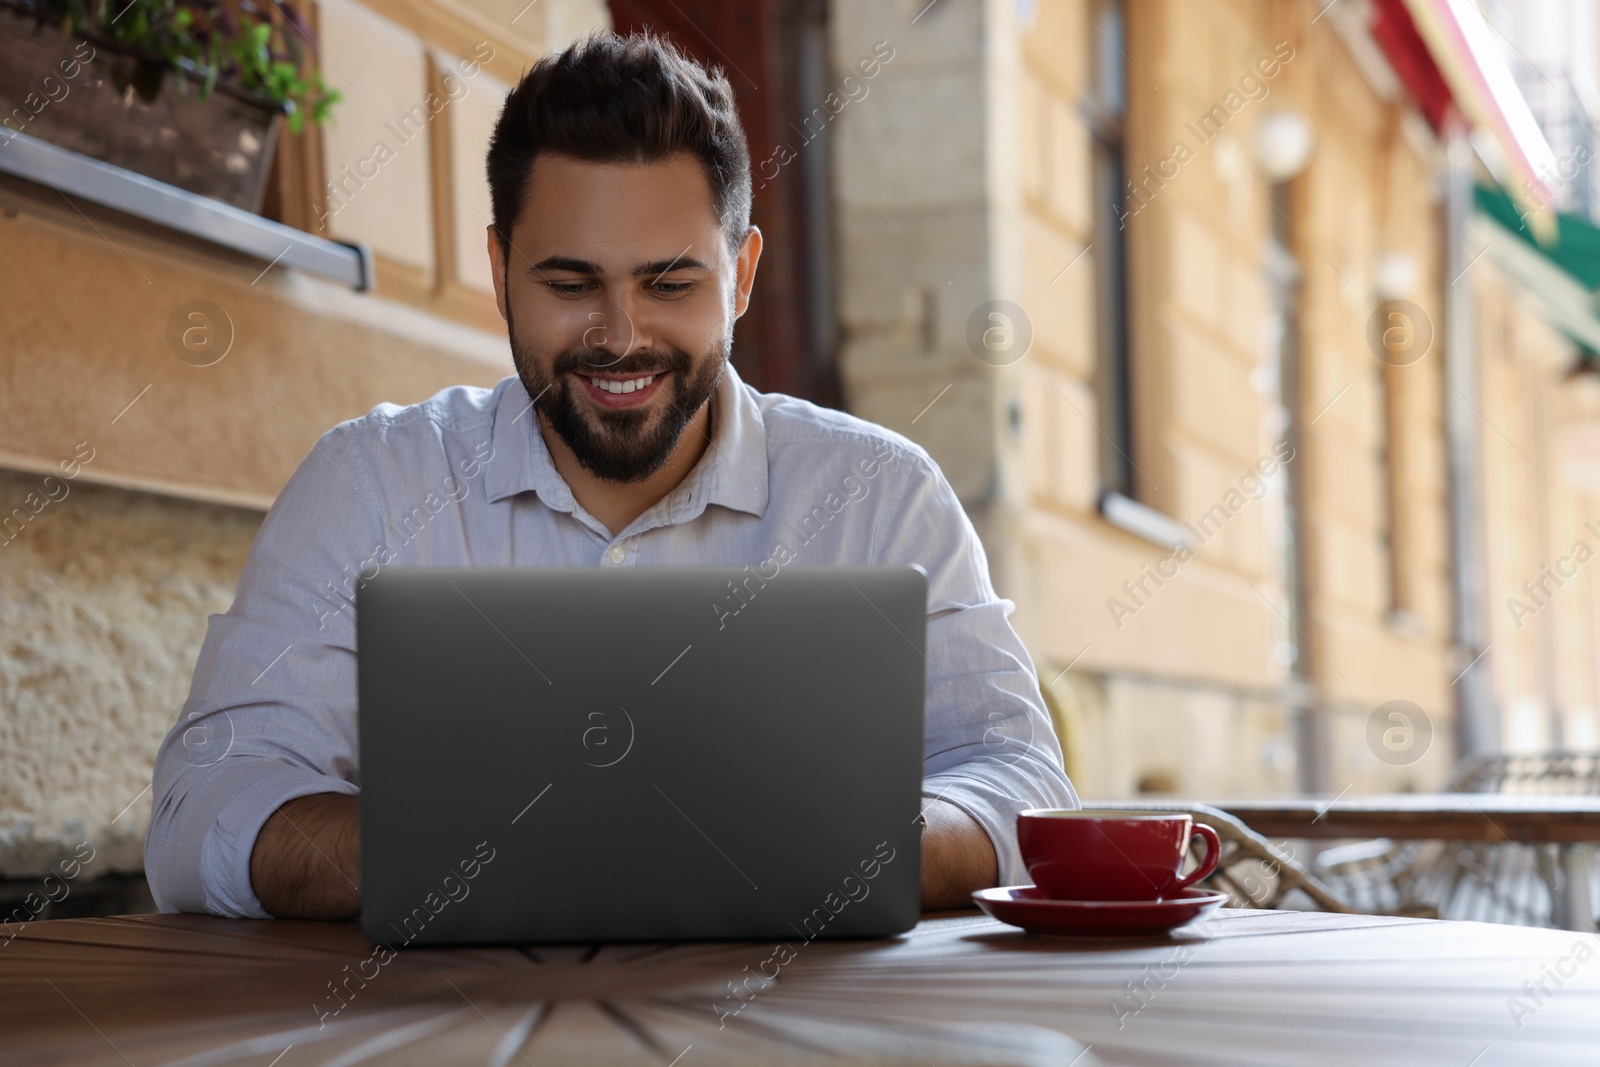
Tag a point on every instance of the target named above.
point(1111, 854)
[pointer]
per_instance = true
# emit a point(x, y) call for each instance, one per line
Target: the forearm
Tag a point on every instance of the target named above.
point(957, 858)
point(992, 793)
point(306, 863)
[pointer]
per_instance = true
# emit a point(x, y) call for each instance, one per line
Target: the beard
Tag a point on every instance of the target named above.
point(624, 444)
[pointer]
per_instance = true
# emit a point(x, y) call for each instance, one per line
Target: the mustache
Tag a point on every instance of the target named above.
point(637, 364)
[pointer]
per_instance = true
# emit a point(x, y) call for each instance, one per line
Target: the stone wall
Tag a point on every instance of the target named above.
point(104, 595)
point(914, 213)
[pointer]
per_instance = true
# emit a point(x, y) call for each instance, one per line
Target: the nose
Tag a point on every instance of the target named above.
point(618, 325)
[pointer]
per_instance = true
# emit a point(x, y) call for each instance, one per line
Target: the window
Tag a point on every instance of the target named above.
point(1104, 110)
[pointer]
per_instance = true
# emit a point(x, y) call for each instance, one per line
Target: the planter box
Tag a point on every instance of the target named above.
point(98, 98)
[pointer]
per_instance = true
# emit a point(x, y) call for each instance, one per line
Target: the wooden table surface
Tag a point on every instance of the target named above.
point(1521, 817)
point(1241, 988)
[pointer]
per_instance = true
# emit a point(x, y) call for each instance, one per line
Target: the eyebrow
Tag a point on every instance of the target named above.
point(574, 265)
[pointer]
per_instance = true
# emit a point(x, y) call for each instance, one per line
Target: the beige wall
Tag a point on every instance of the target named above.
point(305, 354)
point(1188, 693)
point(1544, 643)
point(1366, 194)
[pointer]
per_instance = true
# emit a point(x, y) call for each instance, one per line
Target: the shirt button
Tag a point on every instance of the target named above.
point(617, 554)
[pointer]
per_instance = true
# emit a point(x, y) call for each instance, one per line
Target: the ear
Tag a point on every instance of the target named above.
point(497, 267)
point(745, 279)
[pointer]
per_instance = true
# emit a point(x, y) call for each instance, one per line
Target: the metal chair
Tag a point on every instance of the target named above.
point(1558, 772)
point(1489, 882)
point(1253, 871)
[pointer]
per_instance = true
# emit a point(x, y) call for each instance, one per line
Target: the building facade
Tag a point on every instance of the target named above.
point(1129, 273)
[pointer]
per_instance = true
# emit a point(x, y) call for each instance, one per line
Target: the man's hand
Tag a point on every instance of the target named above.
point(306, 863)
point(307, 859)
point(957, 857)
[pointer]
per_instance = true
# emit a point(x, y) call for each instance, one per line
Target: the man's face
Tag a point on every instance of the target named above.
point(620, 296)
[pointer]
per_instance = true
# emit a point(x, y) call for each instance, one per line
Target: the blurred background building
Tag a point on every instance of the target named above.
point(1258, 337)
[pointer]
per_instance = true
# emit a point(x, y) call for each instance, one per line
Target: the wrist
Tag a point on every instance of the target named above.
point(957, 857)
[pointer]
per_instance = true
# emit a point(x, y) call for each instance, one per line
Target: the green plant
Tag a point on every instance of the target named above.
point(257, 48)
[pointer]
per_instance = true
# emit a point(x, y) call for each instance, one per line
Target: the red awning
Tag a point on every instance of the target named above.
point(1444, 55)
point(1397, 35)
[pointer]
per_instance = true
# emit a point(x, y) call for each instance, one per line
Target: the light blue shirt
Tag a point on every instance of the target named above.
point(465, 479)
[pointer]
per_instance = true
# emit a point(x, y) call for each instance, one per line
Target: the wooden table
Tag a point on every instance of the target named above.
point(1245, 987)
point(1572, 823)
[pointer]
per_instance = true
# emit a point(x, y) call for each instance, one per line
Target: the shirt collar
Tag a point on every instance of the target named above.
point(732, 472)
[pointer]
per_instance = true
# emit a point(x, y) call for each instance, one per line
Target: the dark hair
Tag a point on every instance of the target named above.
point(614, 99)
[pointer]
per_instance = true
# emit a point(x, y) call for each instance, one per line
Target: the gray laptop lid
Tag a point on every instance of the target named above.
point(585, 754)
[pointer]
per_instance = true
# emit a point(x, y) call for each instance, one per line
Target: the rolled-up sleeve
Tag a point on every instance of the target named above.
point(271, 712)
point(990, 748)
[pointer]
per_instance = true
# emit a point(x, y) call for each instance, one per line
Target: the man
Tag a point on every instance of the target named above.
point(623, 254)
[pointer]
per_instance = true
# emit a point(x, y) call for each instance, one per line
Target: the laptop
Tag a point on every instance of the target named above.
point(642, 754)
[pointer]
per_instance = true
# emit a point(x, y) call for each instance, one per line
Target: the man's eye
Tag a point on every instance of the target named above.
point(672, 288)
point(568, 288)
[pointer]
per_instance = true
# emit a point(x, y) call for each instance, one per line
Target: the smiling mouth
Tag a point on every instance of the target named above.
point(615, 391)
point(614, 385)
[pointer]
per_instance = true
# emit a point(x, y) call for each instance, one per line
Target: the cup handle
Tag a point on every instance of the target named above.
point(1207, 865)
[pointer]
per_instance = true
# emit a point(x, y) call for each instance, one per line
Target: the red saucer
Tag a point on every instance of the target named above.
point(1027, 906)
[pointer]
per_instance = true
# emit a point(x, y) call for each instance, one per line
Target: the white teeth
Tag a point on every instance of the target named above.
point(630, 386)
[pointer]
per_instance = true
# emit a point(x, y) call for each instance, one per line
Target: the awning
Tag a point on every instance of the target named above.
point(1561, 275)
point(1446, 57)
